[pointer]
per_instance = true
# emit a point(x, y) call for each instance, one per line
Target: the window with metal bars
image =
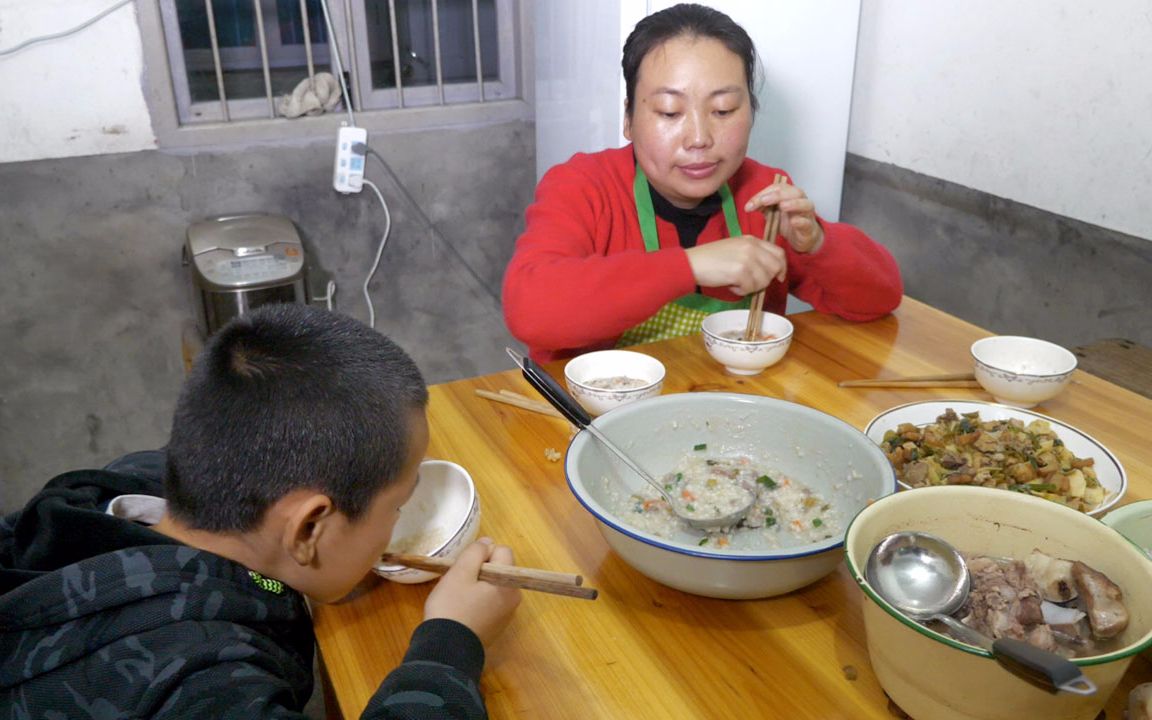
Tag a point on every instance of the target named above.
point(234, 59)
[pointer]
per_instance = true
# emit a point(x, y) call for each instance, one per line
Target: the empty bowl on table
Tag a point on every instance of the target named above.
point(606, 379)
point(931, 675)
point(1022, 371)
point(786, 440)
point(723, 339)
point(440, 519)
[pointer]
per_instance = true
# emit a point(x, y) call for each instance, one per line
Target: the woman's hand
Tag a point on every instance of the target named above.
point(744, 264)
point(461, 596)
point(798, 222)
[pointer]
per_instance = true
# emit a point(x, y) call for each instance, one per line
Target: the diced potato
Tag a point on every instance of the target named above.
point(1077, 484)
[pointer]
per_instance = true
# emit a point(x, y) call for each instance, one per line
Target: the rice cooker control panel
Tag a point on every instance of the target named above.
point(233, 268)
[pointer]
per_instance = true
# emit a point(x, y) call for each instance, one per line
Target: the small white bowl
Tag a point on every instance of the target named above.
point(746, 358)
point(582, 371)
point(440, 520)
point(1022, 371)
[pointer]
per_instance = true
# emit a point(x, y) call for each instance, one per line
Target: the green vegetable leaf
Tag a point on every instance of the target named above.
point(690, 507)
point(703, 541)
point(817, 522)
point(766, 482)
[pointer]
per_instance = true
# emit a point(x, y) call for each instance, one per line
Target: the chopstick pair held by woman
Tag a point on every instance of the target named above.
point(639, 243)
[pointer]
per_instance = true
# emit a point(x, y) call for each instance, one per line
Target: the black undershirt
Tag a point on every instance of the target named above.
point(689, 222)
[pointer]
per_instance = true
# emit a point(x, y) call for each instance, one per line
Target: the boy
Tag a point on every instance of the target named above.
point(296, 440)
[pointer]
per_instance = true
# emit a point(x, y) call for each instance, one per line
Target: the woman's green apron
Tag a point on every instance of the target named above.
point(683, 315)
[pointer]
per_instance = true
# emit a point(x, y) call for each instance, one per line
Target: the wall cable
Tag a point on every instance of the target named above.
point(379, 252)
point(64, 33)
point(335, 51)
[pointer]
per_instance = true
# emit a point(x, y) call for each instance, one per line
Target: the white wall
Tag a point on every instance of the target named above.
point(807, 50)
point(1046, 102)
point(77, 95)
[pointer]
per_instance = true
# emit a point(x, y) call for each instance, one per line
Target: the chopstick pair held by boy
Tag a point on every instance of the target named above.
point(295, 441)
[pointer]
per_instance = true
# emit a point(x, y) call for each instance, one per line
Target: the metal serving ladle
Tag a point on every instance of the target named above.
point(559, 398)
point(926, 578)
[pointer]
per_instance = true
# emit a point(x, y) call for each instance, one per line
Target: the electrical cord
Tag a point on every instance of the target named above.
point(65, 33)
point(379, 252)
point(442, 242)
point(335, 50)
point(329, 294)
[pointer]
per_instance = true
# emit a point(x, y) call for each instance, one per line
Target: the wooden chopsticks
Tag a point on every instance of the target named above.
point(756, 308)
point(952, 380)
point(511, 398)
point(508, 575)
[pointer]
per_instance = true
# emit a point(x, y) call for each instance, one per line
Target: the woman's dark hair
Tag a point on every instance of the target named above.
point(289, 397)
point(692, 20)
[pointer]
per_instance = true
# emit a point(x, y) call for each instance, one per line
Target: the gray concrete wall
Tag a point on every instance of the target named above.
point(94, 295)
point(1005, 266)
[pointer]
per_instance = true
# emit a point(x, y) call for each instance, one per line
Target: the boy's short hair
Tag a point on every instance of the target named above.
point(289, 397)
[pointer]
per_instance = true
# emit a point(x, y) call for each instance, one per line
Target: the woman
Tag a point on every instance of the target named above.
point(639, 243)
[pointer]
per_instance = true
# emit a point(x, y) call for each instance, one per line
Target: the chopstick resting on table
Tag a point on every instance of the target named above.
point(508, 575)
point(952, 380)
point(525, 403)
point(756, 307)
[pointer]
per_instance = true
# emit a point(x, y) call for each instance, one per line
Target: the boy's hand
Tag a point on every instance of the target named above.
point(461, 596)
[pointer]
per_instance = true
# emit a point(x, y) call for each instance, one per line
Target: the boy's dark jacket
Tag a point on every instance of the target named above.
point(102, 617)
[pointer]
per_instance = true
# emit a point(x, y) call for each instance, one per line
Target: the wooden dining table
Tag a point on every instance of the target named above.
point(643, 650)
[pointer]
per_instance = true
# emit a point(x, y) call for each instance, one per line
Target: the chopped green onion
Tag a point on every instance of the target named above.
point(766, 482)
point(701, 446)
point(817, 522)
point(690, 507)
point(703, 541)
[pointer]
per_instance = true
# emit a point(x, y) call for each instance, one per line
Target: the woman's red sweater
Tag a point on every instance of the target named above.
point(580, 276)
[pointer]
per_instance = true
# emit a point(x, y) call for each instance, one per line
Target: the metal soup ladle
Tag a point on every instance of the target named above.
point(926, 578)
point(560, 399)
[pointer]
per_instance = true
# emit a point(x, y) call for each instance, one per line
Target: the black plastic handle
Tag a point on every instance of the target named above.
point(553, 392)
point(1042, 668)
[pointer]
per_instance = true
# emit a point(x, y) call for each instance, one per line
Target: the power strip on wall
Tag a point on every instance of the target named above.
point(348, 171)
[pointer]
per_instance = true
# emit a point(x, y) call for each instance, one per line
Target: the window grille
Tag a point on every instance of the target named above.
point(234, 59)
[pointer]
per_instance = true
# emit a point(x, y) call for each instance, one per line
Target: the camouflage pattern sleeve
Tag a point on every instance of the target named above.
point(438, 680)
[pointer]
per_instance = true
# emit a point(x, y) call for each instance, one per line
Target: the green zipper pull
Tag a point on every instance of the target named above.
point(273, 586)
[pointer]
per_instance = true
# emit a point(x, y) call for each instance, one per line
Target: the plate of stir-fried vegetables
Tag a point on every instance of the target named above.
point(961, 442)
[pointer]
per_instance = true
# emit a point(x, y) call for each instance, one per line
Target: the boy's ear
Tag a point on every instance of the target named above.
point(308, 520)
